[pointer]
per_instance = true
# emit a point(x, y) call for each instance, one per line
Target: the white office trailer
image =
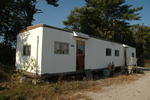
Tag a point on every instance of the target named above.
point(55, 50)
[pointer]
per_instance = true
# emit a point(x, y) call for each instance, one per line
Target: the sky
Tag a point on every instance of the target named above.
point(55, 16)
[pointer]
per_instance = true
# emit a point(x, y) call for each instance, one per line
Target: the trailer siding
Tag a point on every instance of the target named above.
point(29, 38)
point(56, 63)
point(49, 62)
point(96, 54)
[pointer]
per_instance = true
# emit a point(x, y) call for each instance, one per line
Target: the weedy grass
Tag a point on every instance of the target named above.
point(147, 63)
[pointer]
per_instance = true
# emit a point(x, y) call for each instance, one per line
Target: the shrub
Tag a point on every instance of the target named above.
point(4, 97)
point(18, 96)
point(3, 75)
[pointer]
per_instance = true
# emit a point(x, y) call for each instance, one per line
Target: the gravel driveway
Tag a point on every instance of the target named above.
point(136, 90)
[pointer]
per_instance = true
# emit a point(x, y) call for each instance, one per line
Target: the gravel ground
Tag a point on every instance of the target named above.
point(136, 90)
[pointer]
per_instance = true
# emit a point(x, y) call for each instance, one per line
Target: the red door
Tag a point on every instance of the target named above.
point(80, 51)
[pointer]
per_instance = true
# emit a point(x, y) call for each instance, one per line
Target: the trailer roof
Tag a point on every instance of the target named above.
point(70, 31)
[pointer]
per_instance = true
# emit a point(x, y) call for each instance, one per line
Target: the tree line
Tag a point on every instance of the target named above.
point(108, 19)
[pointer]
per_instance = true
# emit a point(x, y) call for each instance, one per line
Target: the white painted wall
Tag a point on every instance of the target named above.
point(96, 58)
point(29, 38)
point(131, 60)
point(48, 62)
point(57, 63)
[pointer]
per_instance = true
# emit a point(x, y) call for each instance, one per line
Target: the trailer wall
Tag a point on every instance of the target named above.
point(29, 38)
point(58, 63)
point(96, 54)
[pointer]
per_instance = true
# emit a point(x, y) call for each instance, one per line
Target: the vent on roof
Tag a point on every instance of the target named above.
point(81, 35)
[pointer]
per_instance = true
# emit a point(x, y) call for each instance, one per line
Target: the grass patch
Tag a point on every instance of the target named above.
point(17, 96)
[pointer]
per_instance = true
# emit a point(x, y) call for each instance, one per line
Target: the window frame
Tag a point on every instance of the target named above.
point(26, 50)
point(117, 53)
point(132, 55)
point(61, 48)
point(108, 52)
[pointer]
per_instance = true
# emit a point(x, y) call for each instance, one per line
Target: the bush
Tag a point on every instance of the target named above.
point(7, 54)
point(4, 98)
point(5, 72)
point(3, 75)
point(18, 96)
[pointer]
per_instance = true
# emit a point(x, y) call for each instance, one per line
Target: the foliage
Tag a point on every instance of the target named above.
point(5, 73)
point(53, 2)
point(104, 18)
point(4, 97)
point(17, 96)
point(15, 15)
point(141, 35)
point(7, 54)
point(109, 19)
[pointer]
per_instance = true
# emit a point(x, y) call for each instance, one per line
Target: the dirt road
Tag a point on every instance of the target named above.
point(136, 90)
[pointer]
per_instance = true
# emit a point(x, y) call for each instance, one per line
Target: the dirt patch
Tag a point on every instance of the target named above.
point(138, 89)
point(117, 80)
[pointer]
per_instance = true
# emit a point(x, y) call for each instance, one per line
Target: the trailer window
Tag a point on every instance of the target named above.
point(61, 48)
point(26, 50)
point(132, 54)
point(117, 53)
point(80, 47)
point(108, 52)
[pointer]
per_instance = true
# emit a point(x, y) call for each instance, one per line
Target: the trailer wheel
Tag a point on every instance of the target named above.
point(106, 73)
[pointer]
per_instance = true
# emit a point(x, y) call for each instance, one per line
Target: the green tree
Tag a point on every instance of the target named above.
point(15, 15)
point(104, 18)
point(142, 41)
point(53, 2)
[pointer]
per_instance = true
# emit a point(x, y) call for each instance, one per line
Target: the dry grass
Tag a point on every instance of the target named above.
point(61, 90)
point(116, 80)
point(147, 64)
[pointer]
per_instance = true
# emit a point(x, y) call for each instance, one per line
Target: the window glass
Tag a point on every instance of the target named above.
point(26, 50)
point(108, 52)
point(132, 54)
point(80, 47)
point(61, 48)
point(116, 52)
